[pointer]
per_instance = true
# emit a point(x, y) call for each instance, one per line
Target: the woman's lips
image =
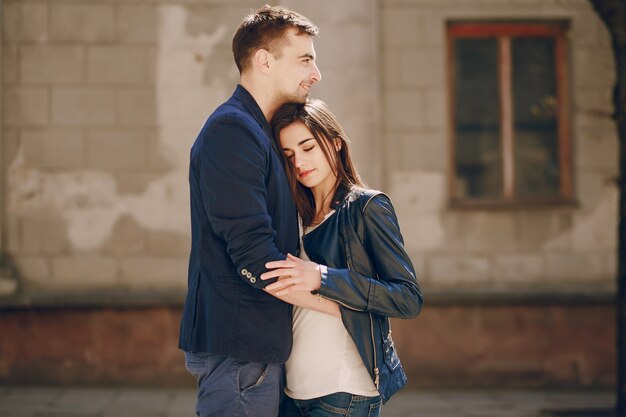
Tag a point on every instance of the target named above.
point(304, 173)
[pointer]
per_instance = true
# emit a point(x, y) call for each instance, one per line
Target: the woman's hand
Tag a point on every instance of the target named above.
point(294, 274)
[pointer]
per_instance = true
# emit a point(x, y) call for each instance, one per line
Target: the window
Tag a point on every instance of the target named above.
point(509, 120)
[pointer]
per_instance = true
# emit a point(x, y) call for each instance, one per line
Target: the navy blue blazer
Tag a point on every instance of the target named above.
point(242, 216)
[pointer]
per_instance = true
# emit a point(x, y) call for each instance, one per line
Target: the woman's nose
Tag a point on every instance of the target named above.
point(298, 162)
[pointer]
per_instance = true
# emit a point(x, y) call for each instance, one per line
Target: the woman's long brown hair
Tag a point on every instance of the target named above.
point(323, 124)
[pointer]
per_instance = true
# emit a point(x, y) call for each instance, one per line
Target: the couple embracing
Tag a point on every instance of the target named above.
point(295, 265)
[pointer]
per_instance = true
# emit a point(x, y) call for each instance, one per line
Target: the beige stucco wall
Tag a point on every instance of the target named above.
point(103, 100)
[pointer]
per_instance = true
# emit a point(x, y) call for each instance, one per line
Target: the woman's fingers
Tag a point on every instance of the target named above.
point(275, 273)
point(279, 264)
point(281, 285)
point(290, 262)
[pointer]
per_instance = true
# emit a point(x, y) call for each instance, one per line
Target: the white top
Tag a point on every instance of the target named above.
point(324, 358)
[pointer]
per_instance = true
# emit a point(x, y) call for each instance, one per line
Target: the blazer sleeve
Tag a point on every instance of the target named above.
point(394, 292)
point(230, 167)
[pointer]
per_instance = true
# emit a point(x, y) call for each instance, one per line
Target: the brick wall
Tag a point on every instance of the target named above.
point(469, 345)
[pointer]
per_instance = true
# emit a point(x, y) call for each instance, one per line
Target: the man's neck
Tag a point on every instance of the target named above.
point(263, 95)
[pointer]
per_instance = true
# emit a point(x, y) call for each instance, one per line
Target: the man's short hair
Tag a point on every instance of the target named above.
point(265, 29)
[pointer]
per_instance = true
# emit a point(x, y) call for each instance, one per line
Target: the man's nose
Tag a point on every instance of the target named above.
point(317, 75)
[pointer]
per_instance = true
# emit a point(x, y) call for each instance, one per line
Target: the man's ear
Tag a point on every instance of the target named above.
point(261, 60)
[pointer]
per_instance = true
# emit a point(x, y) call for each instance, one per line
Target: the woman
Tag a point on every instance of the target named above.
point(343, 360)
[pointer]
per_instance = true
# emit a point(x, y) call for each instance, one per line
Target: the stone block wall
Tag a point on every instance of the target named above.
point(101, 103)
point(81, 146)
point(546, 248)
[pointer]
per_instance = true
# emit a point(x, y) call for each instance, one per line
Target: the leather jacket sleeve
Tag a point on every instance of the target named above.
point(393, 291)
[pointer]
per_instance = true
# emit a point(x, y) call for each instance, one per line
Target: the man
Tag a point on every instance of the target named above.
point(235, 335)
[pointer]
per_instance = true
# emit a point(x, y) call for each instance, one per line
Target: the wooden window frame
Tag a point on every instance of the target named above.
point(503, 32)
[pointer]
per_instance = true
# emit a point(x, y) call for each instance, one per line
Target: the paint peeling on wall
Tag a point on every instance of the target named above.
point(89, 200)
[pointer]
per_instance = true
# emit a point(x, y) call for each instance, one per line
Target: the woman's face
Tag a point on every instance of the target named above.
point(307, 158)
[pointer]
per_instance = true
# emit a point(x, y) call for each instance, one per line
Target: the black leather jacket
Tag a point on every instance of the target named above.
point(370, 275)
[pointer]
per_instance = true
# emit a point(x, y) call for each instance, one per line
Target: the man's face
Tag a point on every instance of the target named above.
point(295, 70)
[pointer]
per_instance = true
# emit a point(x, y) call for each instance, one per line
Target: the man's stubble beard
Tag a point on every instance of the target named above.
point(296, 98)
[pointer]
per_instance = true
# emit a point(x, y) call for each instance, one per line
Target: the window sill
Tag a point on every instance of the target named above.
point(466, 204)
point(524, 297)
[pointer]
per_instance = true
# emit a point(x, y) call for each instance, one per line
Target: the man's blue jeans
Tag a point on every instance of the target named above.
point(230, 387)
point(333, 405)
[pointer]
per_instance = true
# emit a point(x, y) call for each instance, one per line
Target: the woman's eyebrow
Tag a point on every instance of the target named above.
point(303, 141)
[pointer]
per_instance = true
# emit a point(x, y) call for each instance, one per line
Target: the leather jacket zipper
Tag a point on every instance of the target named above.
point(343, 304)
point(376, 371)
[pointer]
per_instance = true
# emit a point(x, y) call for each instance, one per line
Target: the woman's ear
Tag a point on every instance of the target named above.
point(337, 143)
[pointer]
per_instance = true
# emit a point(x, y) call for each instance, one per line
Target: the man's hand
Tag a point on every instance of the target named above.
point(294, 274)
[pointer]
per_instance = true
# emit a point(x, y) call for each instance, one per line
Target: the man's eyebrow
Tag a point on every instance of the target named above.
point(307, 55)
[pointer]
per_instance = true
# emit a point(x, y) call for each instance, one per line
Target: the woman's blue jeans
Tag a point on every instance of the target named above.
point(333, 405)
